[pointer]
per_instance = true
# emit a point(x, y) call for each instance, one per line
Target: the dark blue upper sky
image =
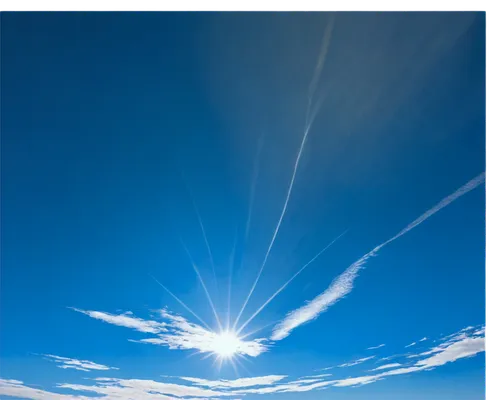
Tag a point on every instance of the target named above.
point(117, 128)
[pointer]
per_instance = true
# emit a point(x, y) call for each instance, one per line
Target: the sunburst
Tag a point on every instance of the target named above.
point(226, 345)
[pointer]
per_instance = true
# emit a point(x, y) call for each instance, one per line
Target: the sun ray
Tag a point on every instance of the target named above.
point(230, 280)
point(182, 304)
point(241, 364)
point(195, 353)
point(235, 368)
point(202, 227)
point(251, 333)
point(203, 286)
point(206, 242)
point(289, 281)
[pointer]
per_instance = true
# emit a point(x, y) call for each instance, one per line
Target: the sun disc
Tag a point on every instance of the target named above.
point(226, 344)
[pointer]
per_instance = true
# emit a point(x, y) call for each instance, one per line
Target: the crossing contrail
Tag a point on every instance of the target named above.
point(344, 284)
point(289, 281)
point(309, 121)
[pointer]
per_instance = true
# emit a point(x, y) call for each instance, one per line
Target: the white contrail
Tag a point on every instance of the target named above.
point(203, 286)
point(309, 121)
point(253, 185)
point(289, 281)
point(182, 303)
point(321, 59)
point(255, 175)
point(343, 285)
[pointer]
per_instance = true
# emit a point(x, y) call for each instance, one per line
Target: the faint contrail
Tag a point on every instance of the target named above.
point(289, 281)
point(309, 121)
point(255, 176)
point(203, 285)
point(343, 285)
point(321, 59)
point(182, 303)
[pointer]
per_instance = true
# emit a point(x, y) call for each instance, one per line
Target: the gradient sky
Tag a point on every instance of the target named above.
point(121, 132)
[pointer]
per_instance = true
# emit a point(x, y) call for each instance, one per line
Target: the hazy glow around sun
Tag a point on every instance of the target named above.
point(226, 344)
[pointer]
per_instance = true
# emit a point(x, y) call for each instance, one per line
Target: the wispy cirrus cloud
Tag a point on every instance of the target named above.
point(344, 283)
point(356, 362)
point(457, 346)
point(348, 364)
point(72, 363)
point(387, 366)
point(176, 333)
point(237, 383)
point(127, 320)
point(376, 347)
point(410, 345)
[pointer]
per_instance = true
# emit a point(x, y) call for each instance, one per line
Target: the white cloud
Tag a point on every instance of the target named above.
point(318, 376)
point(464, 348)
point(387, 366)
point(176, 333)
point(457, 346)
point(376, 347)
point(143, 389)
point(17, 389)
point(344, 283)
point(411, 345)
point(423, 339)
point(237, 383)
point(356, 362)
point(72, 363)
point(126, 320)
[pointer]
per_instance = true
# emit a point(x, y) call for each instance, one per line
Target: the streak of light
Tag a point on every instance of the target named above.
point(203, 286)
point(182, 304)
point(289, 281)
point(230, 281)
point(251, 333)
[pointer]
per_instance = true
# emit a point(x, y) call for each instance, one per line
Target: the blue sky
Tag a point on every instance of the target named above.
point(154, 165)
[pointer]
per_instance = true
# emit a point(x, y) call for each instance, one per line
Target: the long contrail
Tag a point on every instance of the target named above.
point(203, 286)
point(325, 43)
point(289, 281)
point(182, 303)
point(343, 285)
point(255, 175)
point(309, 121)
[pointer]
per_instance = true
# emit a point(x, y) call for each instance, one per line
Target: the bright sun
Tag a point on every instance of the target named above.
point(226, 344)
